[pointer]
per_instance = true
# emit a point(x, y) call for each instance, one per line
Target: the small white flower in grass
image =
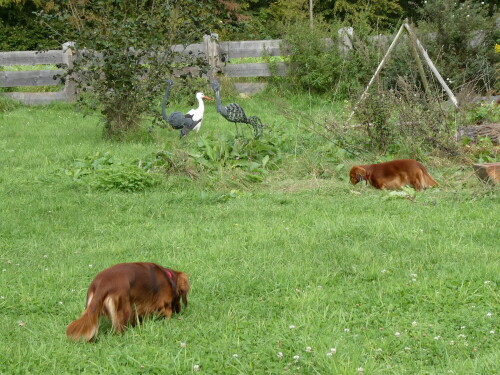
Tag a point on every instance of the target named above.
point(196, 368)
point(462, 336)
point(414, 323)
point(182, 344)
point(333, 350)
point(4, 270)
point(407, 348)
point(384, 271)
point(2, 297)
point(452, 342)
point(90, 265)
point(308, 349)
point(21, 323)
point(280, 355)
point(346, 329)
point(60, 302)
point(296, 357)
point(329, 354)
point(235, 355)
point(46, 269)
point(397, 334)
point(414, 280)
point(360, 369)
point(413, 275)
point(45, 256)
point(462, 327)
point(468, 15)
point(437, 337)
point(492, 332)
point(489, 315)
point(487, 282)
point(291, 326)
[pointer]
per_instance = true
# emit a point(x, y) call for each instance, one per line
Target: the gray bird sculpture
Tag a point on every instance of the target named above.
point(234, 113)
point(180, 121)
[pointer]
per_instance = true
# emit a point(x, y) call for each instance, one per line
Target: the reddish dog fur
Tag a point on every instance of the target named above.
point(393, 175)
point(127, 291)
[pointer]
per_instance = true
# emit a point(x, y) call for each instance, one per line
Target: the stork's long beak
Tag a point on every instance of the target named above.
point(206, 97)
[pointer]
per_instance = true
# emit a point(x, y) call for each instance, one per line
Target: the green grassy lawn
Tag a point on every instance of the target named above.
point(295, 275)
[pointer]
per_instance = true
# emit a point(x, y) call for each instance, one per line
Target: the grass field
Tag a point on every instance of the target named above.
point(295, 275)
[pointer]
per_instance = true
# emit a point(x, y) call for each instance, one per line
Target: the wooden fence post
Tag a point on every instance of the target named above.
point(68, 58)
point(213, 54)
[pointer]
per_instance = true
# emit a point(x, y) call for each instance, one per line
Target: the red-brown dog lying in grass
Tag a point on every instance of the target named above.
point(393, 175)
point(127, 291)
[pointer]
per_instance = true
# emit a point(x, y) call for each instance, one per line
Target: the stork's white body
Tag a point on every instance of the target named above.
point(197, 113)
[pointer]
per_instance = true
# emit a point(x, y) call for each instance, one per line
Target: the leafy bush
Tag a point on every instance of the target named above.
point(104, 172)
point(251, 158)
point(461, 36)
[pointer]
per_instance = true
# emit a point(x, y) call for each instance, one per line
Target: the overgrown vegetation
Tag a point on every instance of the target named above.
point(125, 54)
point(461, 35)
point(324, 276)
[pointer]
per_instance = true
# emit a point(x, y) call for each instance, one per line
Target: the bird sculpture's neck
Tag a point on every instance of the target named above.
point(218, 102)
point(164, 103)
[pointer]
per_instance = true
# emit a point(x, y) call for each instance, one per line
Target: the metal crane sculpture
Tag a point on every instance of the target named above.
point(180, 121)
point(234, 113)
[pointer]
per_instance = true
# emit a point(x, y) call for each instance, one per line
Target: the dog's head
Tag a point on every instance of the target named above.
point(183, 286)
point(357, 174)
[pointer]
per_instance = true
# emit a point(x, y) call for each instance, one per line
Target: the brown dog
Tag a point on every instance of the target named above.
point(393, 175)
point(127, 291)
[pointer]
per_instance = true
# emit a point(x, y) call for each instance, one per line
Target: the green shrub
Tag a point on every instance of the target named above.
point(104, 172)
point(461, 36)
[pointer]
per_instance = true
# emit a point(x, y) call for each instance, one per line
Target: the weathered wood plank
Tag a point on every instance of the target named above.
point(254, 70)
point(30, 98)
point(252, 48)
point(31, 57)
point(30, 78)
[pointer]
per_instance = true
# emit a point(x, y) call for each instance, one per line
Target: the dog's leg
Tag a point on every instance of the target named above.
point(118, 312)
point(419, 182)
point(166, 311)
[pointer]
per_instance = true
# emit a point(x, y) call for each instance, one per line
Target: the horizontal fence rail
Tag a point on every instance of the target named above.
point(31, 78)
point(218, 54)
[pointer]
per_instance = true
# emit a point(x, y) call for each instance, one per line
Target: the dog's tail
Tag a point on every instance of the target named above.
point(428, 180)
point(87, 325)
point(183, 287)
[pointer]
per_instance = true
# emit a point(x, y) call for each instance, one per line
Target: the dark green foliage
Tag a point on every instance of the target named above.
point(319, 66)
point(461, 36)
point(20, 29)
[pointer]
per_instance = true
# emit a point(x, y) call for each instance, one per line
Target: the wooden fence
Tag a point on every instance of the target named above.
point(217, 54)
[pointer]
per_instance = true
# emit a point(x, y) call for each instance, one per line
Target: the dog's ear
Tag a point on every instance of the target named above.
point(357, 174)
point(183, 286)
